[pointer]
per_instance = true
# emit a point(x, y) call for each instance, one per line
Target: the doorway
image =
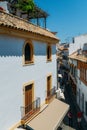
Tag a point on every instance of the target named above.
point(49, 78)
point(28, 98)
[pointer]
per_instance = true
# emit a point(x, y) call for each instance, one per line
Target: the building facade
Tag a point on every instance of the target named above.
point(77, 43)
point(78, 74)
point(28, 71)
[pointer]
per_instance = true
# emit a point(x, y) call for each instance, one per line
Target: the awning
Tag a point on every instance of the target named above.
point(51, 117)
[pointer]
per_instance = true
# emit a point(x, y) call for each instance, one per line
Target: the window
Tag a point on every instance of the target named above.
point(79, 97)
point(74, 70)
point(49, 53)
point(28, 53)
point(82, 102)
point(86, 108)
point(86, 75)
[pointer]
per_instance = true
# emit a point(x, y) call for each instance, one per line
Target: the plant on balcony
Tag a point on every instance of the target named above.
point(25, 5)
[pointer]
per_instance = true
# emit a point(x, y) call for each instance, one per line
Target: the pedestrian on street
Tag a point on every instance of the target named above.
point(70, 118)
point(79, 118)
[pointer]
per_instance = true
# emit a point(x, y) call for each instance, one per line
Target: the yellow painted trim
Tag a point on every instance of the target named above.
point(29, 41)
point(49, 75)
point(28, 83)
point(50, 49)
point(15, 125)
point(42, 104)
point(25, 34)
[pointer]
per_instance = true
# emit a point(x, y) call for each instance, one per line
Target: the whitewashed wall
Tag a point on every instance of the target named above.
point(3, 4)
point(83, 90)
point(74, 62)
point(79, 42)
point(13, 75)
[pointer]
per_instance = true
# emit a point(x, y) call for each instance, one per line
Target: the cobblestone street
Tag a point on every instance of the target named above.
point(70, 99)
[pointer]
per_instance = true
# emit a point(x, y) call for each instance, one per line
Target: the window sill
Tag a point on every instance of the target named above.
point(49, 60)
point(28, 63)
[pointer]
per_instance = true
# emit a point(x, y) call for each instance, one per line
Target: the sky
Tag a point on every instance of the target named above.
point(66, 17)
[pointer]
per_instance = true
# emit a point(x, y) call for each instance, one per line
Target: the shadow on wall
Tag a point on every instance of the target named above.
point(16, 50)
point(10, 50)
point(10, 46)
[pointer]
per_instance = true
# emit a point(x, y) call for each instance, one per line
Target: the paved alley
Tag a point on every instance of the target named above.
point(70, 99)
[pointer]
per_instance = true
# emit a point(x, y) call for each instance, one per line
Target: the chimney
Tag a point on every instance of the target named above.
point(4, 6)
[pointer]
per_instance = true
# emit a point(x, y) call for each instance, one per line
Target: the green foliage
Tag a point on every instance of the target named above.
point(25, 5)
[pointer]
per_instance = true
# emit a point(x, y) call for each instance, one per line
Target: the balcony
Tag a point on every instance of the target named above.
point(29, 111)
point(50, 95)
point(73, 79)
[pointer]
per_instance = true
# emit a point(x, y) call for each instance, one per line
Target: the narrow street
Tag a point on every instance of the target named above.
point(69, 99)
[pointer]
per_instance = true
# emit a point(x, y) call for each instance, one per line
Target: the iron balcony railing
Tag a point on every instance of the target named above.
point(73, 78)
point(27, 111)
point(51, 92)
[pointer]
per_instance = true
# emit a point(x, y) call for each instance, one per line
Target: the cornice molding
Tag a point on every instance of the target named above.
point(25, 34)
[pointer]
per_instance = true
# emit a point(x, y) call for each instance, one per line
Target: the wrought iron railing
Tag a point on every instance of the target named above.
point(27, 111)
point(51, 92)
point(73, 78)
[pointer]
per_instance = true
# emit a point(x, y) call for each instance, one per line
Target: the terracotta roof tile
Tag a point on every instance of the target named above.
point(79, 57)
point(62, 48)
point(12, 21)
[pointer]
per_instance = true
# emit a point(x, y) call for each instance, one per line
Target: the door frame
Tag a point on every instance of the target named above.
point(49, 75)
point(24, 86)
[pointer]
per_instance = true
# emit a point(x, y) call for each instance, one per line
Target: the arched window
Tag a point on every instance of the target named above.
point(28, 53)
point(49, 53)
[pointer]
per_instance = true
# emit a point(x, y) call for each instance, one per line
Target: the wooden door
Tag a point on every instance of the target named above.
point(48, 85)
point(28, 98)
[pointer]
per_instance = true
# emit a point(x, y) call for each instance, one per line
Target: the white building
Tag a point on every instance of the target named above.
point(78, 43)
point(78, 67)
point(28, 75)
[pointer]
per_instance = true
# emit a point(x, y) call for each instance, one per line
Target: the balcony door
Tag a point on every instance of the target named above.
point(82, 102)
point(28, 98)
point(48, 86)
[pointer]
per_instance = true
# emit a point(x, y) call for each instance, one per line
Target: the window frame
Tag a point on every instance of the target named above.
point(86, 108)
point(49, 53)
point(31, 61)
point(49, 83)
